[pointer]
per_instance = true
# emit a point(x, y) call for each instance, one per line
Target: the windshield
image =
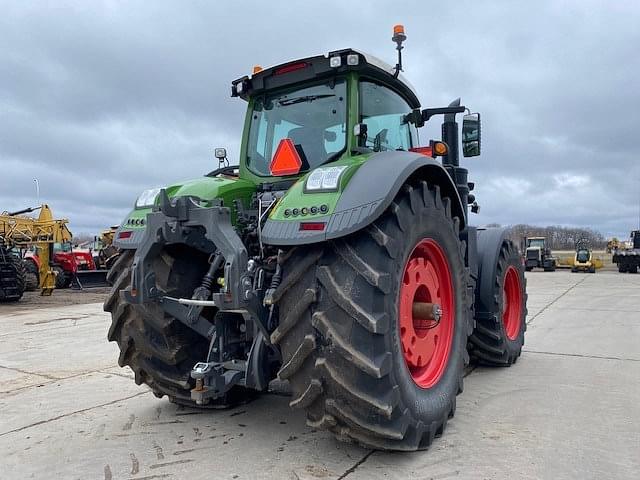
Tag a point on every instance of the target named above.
point(314, 118)
point(583, 256)
point(383, 111)
point(536, 242)
point(62, 247)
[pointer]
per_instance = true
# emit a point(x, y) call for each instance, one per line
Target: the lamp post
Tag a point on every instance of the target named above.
point(35, 180)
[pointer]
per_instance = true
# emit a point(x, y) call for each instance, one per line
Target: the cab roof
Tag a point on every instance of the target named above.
point(317, 67)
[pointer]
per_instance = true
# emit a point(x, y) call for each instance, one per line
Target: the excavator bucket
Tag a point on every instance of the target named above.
point(90, 278)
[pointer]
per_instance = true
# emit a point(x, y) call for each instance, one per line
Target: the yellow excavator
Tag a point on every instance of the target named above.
point(20, 231)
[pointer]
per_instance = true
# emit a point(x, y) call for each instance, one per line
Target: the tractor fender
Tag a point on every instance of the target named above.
point(490, 242)
point(367, 195)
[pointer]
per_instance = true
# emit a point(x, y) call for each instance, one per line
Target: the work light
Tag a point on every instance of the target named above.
point(324, 179)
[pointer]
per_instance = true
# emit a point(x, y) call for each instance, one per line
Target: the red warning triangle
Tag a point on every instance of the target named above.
point(286, 160)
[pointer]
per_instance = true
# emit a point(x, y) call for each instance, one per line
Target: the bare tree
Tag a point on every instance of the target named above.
point(559, 237)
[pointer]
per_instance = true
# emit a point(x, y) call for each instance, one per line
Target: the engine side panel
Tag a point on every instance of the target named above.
point(221, 187)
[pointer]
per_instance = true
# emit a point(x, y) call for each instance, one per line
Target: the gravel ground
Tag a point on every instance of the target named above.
point(60, 297)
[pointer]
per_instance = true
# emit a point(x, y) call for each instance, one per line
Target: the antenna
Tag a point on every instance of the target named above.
point(398, 37)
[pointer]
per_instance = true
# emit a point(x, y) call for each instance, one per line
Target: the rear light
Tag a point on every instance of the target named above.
point(435, 149)
point(428, 151)
point(286, 160)
point(312, 226)
point(291, 68)
point(125, 234)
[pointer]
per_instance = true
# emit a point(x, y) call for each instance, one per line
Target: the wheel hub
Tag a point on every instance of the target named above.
point(426, 313)
point(511, 303)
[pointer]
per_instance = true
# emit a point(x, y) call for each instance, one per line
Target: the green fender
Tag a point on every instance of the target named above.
point(366, 196)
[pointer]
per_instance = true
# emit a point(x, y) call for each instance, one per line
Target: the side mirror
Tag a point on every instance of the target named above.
point(220, 153)
point(471, 135)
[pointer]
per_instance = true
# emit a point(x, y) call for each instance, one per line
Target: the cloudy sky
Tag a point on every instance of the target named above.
point(100, 100)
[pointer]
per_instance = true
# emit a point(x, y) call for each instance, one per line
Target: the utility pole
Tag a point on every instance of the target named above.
point(35, 180)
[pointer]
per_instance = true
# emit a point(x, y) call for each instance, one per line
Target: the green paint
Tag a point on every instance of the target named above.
point(206, 188)
point(227, 188)
point(297, 198)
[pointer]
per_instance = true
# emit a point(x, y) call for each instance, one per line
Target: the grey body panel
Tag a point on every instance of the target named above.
point(132, 242)
point(367, 195)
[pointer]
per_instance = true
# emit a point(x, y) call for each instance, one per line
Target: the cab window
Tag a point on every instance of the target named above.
point(383, 111)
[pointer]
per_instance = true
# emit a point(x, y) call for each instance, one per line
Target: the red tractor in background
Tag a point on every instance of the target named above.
point(67, 263)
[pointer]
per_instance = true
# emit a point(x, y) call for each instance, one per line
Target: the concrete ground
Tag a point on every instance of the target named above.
point(570, 407)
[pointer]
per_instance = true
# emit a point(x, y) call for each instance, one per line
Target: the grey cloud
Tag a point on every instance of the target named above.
point(102, 100)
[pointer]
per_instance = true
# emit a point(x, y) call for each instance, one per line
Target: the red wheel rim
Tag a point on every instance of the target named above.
point(511, 303)
point(426, 344)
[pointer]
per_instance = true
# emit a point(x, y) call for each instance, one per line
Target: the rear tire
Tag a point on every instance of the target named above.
point(159, 349)
point(340, 334)
point(500, 318)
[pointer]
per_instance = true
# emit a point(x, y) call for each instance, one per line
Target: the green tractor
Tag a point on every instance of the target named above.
point(337, 256)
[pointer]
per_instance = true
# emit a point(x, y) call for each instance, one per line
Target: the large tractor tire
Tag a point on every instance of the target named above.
point(358, 361)
point(500, 316)
point(160, 349)
point(32, 276)
point(12, 278)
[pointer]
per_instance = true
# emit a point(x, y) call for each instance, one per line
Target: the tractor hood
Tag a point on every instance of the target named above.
point(208, 188)
point(222, 187)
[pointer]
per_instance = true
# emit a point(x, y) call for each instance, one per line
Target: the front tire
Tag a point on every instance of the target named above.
point(344, 332)
point(63, 278)
point(159, 349)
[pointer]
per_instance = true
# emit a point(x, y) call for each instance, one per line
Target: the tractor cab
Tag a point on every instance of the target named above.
point(583, 255)
point(323, 109)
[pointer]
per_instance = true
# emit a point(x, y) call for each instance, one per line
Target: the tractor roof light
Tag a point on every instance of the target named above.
point(240, 86)
point(398, 37)
point(353, 59)
point(335, 61)
point(256, 69)
point(398, 33)
point(292, 67)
